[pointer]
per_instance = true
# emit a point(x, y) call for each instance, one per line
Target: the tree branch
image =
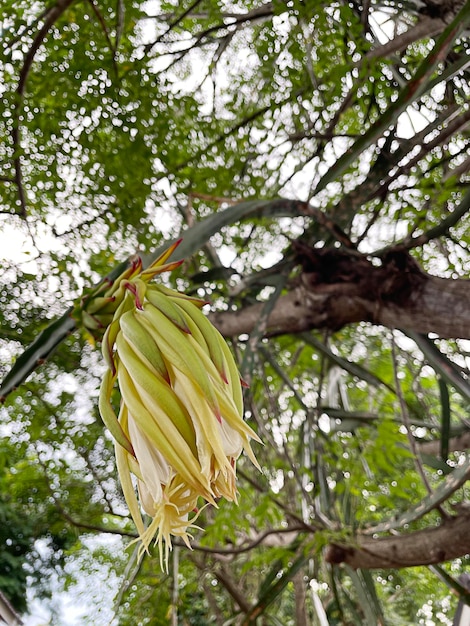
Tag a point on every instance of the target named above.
point(237, 19)
point(442, 229)
point(448, 541)
point(459, 443)
point(450, 125)
point(426, 27)
point(271, 537)
point(233, 589)
point(50, 18)
point(340, 288)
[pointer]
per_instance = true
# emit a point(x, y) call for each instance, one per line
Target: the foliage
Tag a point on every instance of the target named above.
point(129, 123)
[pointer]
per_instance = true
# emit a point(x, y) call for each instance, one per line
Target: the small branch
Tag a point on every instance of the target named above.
point(460, 170)
point(218, 199)
point(413, 90)
point(50, 18)
point(70, 519)
point(93, 527)
point(79, 227)
point(85, 453)
point(171, 25)
point(104, 28)
point(311, 527)
point(232, 587)
point(213, 603)
point(441, 230)
point(447, 131)
point(261, 539)
point(426, 27)
point(237, 19)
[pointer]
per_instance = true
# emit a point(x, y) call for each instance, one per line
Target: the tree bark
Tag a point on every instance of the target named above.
point(448, 541)
point(456, 444)
point(337, 288)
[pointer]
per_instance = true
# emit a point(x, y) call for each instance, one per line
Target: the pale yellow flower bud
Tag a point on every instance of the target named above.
point(180, 428)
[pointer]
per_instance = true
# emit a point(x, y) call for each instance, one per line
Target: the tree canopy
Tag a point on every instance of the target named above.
point(314, 158)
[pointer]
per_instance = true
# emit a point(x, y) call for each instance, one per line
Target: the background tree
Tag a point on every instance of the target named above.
point(315, 158)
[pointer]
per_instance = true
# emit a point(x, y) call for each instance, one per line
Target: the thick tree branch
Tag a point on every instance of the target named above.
point(448, 541)
point(456, 444)
point(337, 288)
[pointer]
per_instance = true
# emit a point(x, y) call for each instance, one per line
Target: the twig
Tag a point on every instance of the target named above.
point(433, 233)
point(218, 199)
point(426, 27)
point(70, 519)
point(238, 19)
point(447, 131)
point(247, 547)
point(148, 48)
point(112, 47)
point(51, 16)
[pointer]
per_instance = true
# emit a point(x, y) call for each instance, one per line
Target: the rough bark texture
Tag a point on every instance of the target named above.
point(337, 288)
point(448, 541)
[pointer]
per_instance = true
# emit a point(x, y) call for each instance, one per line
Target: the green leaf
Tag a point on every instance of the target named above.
point(349, 366)
point(453, 585)
point(196, 236)
point(272, 587)
point(44, 345)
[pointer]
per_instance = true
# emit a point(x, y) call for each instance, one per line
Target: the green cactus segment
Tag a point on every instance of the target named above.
point(41, 348)
point(52, 336)
point(449, 485)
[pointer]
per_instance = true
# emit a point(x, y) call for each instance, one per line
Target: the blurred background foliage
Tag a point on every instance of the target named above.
point(125, 124)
